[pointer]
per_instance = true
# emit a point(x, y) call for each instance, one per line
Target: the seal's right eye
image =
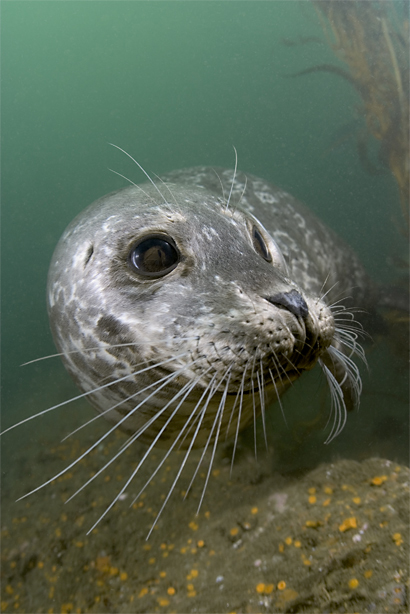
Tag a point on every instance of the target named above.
point(154, 256)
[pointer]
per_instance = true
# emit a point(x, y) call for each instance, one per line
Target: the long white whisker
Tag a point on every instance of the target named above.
point(191, 415)
point(227, 372)
point(111, 430)
point(183, 463)
point(134, 437)
point(338, 404)
point(141, 169)
point(167, 187)
point(84, 350)
point(243, 191)
point(186, 390)
point(277, 396)
point(233, 179)
point(241, 390)
point(86, 394)
point(261, 387)
point(132, 183)
point(222, 185)
point(107, 411)
point(219, 413)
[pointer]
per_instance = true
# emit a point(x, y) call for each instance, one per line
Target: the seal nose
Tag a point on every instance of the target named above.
point(293, 301)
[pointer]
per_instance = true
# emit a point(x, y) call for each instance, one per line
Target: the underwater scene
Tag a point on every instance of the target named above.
point(250, 351)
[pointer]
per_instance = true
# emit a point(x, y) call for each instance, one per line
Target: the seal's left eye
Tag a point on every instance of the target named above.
point(154, 256)
point(260, 245)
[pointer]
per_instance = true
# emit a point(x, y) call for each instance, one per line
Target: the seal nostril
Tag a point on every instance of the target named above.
point(293, 301)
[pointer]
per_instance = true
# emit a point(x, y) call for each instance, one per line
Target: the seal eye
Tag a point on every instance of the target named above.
point(260, 245)
point(154, 256)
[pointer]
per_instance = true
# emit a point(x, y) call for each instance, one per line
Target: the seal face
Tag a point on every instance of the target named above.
point(182, 313)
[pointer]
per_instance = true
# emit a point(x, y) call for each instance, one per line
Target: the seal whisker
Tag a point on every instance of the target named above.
point(352, 371)
point(323, 296)
point(349, 339)
point(261, 387)
point(278, 397)
point(254, 405)
point(337, 404)
point(101, 439)
point(94, 349)
point(243, 191)
point(132, 183)
point(210, 389)
point(233, 178)
point(183, 463)
point(132, 396)
point(217, 419)
point(220, 412)
point(185, 391)
point(239, 412)
point(141, 169)
point(167, 187)
point(222, 185)
point(86, 394)
point(201, 413)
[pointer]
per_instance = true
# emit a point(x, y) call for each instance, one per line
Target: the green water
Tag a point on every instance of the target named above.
point(176, 84)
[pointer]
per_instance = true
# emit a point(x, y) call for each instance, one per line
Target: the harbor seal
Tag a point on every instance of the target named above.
point(183, 307)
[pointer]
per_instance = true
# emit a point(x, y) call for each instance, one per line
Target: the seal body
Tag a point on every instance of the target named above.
point(183, 312)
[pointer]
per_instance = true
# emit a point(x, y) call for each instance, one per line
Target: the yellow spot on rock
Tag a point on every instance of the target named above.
point(193, 525)
point(312, 499)
point(163, 601)
point(353, 583)
point(327, 490)
point(171, 590)
point(312, 491)
point(357, 500)
point(254, 510)
point(123, 576)
point(368, 573)
point(348, 523)
point(260, 588)
point(143, 591)
point(288, 541)
point(378, 480)
point(281, 585)
point(234, 531)
point(297, 543)
point(200, 543)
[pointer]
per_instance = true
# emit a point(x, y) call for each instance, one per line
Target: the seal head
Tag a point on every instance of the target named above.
point(183, 315)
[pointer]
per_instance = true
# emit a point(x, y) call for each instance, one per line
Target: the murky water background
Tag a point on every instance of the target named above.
point(176, 84)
